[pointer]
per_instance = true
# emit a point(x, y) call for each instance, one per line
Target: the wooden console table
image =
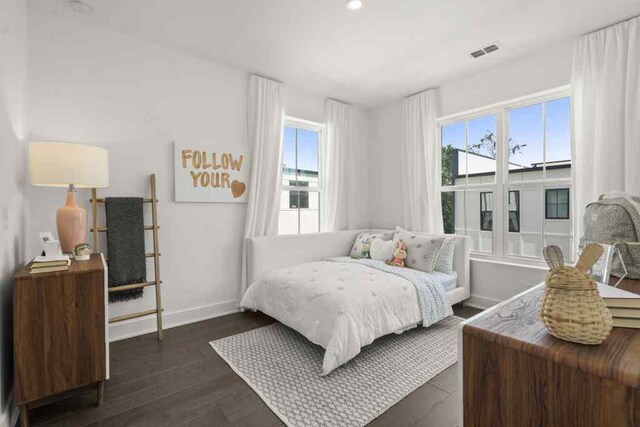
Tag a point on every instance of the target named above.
point(514, 373)
point(59, 332)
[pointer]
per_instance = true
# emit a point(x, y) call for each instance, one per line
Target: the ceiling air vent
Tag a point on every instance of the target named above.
point(485, 50)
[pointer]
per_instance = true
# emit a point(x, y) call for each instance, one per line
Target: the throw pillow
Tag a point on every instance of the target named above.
point(421, 250)
point(381, 250)
point(362, 244)
point(444, 258)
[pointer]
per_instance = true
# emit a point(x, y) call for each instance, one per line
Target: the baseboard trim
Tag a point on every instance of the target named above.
point(480, 302)
point(134, 327)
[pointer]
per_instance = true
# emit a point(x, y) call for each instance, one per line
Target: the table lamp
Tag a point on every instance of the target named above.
point(64, 164)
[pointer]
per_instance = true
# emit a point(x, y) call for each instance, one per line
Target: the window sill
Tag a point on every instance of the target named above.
point(538, 265)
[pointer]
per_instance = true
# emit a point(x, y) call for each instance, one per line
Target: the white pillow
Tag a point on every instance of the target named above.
point(443, 261)
point(381, 250)
point(362, 244)
point(421, 250)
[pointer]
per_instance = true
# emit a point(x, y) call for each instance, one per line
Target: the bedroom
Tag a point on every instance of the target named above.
point(147, 80)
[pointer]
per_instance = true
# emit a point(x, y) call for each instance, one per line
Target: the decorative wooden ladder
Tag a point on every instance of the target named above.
point(155, 255)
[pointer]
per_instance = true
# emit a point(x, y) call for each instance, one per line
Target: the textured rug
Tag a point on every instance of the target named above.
point(284, 369)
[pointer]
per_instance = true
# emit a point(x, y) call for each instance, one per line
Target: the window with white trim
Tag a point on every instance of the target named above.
point(506, 177)
point(300, 197)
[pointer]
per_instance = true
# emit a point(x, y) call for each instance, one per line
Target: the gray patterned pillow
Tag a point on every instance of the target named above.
point(362, 244)
point(444, 258)
point(421, 250)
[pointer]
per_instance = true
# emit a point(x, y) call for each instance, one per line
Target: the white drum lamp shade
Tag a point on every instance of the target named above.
point(60, 164)
point(64, 164)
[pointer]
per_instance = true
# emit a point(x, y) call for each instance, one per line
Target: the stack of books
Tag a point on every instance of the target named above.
point(43, 264)
point(623, 305)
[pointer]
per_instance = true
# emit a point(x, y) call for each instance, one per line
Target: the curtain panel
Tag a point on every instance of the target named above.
point(605, 86)
point(335, 201)
point(421, 164)
point(343, 204)
point(265, 112)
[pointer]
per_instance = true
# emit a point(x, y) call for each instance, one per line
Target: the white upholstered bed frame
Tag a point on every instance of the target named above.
point(265, 254)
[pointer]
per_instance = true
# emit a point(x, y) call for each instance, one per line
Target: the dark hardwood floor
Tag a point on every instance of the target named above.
point(183, 382)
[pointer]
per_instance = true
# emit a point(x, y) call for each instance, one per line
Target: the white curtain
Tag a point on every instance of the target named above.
point(265, 112)
point(605, 85)
point(339, 204)
point(421, 163)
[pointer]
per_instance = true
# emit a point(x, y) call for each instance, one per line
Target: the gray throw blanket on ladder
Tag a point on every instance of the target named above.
point(125, 245)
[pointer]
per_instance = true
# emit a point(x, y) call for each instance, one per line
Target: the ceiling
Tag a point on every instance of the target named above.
point(384, 51)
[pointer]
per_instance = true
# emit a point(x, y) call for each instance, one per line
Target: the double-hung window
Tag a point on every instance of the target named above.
point(506, 176)
point(300, 197)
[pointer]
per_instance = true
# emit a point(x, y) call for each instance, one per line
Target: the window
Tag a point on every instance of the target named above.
point(513, 161)
point(486, 211)
point(469, 161)
point(514, 211)
point(557, 203)
point(300, 195)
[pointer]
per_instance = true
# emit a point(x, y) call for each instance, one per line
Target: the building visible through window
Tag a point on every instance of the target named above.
point(514, 211)
point(300, 199)
point(557, 203)
point(486, 211)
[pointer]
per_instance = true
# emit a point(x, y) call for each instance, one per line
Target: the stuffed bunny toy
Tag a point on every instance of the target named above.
point(399, 254)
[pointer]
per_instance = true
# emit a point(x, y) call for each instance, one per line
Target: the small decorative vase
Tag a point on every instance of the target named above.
point(572, 309)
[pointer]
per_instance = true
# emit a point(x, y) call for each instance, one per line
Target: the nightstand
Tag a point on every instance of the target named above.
point(59, 331)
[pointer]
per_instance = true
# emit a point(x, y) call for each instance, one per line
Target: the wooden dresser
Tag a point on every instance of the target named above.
point(59, 332)
point(516, 374)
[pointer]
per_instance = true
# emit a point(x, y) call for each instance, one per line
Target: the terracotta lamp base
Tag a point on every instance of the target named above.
point(72, 223)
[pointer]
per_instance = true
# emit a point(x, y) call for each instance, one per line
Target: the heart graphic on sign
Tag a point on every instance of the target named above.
point(237, 189)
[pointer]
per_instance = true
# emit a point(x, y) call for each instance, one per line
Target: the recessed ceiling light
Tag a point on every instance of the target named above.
point(80, 7)
point(354, 4)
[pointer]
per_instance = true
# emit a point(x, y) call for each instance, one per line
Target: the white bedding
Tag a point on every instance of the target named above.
point(448, 281)
point(343, 305)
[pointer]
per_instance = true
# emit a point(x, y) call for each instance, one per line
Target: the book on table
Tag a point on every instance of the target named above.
point(621, 322)
point(614, 297)
point(50, 261)
point(49, 269)
point(623, 305)
point(43, 264)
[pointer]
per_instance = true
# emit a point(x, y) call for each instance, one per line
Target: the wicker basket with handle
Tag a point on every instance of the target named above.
point(571, 307)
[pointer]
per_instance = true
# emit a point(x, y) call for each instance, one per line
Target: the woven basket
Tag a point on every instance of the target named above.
point(571, 307)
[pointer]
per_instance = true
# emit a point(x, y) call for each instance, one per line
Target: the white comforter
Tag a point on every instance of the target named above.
point(343, 305)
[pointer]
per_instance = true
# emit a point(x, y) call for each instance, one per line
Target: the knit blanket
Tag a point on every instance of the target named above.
point(125, 246)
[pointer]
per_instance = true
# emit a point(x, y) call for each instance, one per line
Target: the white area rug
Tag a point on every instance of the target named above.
point(284, 369)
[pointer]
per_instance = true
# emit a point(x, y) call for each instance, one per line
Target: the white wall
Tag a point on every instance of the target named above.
point(547, 69)
point(13, 56)
point(134, 98)
point(542, 70)
point(385, 191)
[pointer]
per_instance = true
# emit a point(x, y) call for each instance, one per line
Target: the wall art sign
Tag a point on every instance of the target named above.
point(208, 173)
